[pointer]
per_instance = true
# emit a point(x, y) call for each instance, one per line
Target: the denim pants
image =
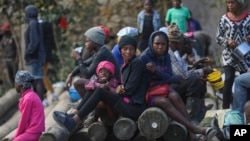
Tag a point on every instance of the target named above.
point(241, 84)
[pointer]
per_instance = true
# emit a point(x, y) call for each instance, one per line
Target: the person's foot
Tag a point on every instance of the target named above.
point(73, 105)
point(209, 132)
point(55, 97)
point(91, 118)
point(64, 121)
point(71, 115)
point(45, 102)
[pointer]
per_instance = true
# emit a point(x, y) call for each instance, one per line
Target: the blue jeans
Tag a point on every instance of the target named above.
point(241, 84)
point(36, 69)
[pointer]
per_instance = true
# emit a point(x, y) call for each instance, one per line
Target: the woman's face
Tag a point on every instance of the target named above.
point(160, 45)
point(90, 45)
point(233, 5)
point(128, 52)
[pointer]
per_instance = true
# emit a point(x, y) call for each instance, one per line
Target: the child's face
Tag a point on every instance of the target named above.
point(104, 75)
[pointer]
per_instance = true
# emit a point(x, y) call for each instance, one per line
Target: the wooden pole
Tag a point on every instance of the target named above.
point(124, 128)
point(8, 100)
point(97, 132)
point(153, 122)
point(53, 131)
point(10, 125)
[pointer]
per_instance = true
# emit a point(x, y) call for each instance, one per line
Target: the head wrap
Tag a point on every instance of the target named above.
point(131, 31)
point(107, 65)
point(127, 40)
point(96, 35)
point(174, 33)
point(24, 78)
point(242, 2)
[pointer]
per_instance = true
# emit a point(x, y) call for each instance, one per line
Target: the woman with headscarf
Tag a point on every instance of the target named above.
point(233, 29)
point(158, 64)
point(32, 122)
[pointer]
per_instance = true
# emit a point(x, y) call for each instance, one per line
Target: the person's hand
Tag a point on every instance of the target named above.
point(247, 38)
point(203, 60)
point(101, 105)
point(75, 55)
point(232, 43)
point(120, 90)
point(68, 81)
point(151, 67)
point(207, 70)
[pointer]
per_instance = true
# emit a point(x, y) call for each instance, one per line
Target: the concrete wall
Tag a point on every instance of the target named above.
point(209, 15)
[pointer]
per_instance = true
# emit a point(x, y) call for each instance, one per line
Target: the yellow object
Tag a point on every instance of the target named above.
point(215, 79)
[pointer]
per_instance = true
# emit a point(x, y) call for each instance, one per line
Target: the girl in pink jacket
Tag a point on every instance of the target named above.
point(32, 121)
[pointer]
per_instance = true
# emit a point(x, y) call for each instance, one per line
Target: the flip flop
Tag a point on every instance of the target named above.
point(210, 133)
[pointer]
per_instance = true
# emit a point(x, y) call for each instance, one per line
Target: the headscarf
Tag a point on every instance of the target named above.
point(242, 2)
point(174, 33)
point(24, 78)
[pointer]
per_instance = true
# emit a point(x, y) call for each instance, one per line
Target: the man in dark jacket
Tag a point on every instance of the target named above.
point(34, 50)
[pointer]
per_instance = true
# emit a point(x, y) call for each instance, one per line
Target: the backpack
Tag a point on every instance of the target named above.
point(49, 44)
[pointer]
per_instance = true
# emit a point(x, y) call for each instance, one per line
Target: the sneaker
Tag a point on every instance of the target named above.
point(55, 97)
point(91, 118)
point(45, 102)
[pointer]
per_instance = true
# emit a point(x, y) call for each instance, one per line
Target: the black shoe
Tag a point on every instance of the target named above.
point(64, 121)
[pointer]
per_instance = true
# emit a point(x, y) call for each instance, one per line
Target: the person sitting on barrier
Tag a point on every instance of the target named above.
point(128, 101)
point(32, 122)
point(105, 79)
point(158, 64)
point(193, 87)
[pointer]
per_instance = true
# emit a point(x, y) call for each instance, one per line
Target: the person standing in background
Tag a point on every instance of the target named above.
point(10, 53)
point(148, 21)
point(179, 15)
point(34, 50)
point(50, 46)
point(233, 29)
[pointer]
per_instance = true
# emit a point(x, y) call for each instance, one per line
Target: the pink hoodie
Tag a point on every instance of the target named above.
point(32, 122)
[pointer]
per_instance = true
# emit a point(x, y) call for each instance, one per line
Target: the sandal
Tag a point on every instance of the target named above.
point(210, 133)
